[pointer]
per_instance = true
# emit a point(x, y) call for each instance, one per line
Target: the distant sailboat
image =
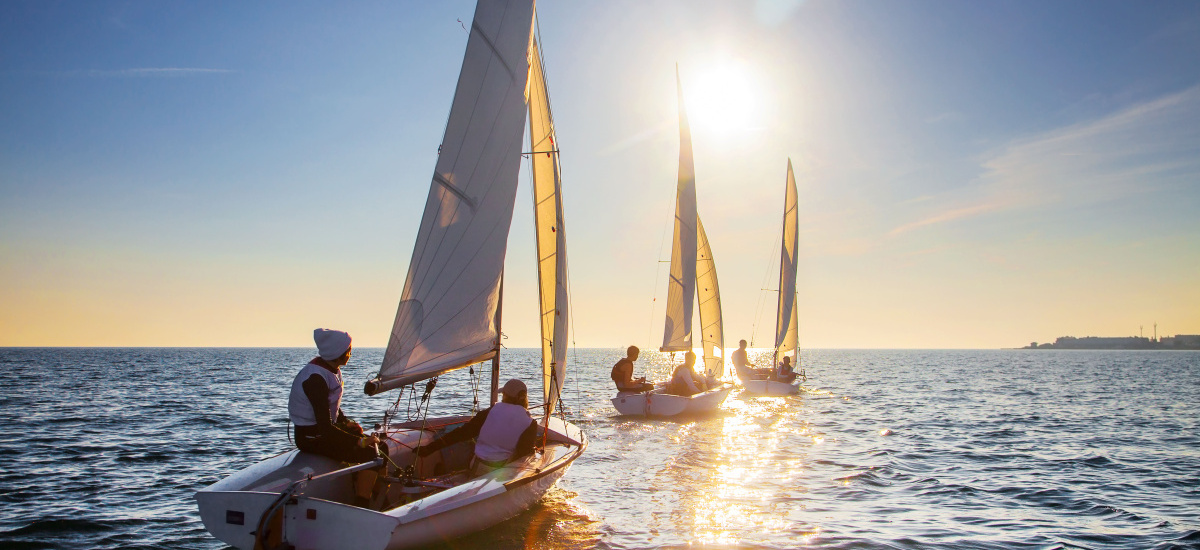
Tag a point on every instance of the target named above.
point(693, 274)
point(786, 317)
point(448, 318)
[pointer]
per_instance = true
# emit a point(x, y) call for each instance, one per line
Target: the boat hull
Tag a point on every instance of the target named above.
point(770, 387)
point(657, 403)
point(319, 517)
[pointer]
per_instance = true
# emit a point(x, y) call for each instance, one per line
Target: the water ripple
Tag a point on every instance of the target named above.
point(882, 449)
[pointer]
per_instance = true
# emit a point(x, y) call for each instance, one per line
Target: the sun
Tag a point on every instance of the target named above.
point(723, 99)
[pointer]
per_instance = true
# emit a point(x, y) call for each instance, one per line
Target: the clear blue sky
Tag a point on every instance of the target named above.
point(971, 174)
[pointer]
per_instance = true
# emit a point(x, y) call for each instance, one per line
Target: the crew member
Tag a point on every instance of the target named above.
point(622, 373)
point(786, 373)
point(745, 370)
point(502, 432)
point(685, 381)
point(315, 409)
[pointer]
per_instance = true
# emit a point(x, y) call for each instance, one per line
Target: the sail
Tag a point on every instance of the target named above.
point(446, 317)
point(551, 237)
point(709, 296)
point(785, 322)
point(681, 286)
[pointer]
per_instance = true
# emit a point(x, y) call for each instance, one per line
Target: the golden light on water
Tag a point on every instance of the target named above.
point(741, 489)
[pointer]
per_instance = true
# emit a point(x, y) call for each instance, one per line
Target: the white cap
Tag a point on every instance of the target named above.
point(513, 388)
point(331, 344)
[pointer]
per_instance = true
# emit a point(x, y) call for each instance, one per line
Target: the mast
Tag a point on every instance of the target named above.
point(499, 335)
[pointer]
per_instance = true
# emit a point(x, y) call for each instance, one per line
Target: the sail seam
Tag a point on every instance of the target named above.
point(434, 278)
point(488, 41)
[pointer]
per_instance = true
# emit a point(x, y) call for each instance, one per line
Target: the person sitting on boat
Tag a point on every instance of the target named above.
point(685, 381)
point(502, 432)
point(744, 368)
point(622, 373)
point(315, 409)
point(786, 373)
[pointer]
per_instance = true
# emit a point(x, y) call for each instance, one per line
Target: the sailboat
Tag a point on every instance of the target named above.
point(448, 318)
point(693, 275)
point(786, 317)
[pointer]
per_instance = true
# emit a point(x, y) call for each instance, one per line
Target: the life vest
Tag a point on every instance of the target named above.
point(617, 368)
point(300, 409)
point(503, 427)
point(683, 382)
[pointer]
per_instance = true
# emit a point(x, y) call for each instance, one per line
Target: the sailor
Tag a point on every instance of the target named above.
point(786, 373)
point(622, 373)
point(745, 370)
point(314, 407)
point(503, 432)
point(685, 381)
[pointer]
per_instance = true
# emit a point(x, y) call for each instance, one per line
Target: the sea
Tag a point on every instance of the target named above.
point(105, 448)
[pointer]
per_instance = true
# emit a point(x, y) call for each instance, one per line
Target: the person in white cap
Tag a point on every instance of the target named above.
point(315, 409)
point(502, 432)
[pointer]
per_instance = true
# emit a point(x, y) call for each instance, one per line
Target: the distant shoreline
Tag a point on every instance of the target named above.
point(1177, 342)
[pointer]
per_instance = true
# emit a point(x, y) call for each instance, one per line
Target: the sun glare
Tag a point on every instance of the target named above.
point(722, 99)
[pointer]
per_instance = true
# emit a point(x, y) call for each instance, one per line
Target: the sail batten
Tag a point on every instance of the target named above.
point(446, 316)
point(787, 317)
point(549, 231)
point(681, 284)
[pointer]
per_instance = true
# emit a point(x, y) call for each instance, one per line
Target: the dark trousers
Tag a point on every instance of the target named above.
point(332, 443)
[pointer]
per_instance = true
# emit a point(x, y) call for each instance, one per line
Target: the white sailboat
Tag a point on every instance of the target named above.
point(693, 275)
point(786, 317)
point(448, 318)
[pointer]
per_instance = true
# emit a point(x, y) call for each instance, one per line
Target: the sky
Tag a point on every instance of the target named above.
point(971, 174)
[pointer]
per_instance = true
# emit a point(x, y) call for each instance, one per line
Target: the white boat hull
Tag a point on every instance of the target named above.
point(319, 517)
point(657, 403)
point(770, 387)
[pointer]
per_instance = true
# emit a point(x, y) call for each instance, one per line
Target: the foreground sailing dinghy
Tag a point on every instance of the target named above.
point(448, 318)
point(693, 273)
point(786, 317)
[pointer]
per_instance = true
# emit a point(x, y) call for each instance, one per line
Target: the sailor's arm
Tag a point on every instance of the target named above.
point(469, 430)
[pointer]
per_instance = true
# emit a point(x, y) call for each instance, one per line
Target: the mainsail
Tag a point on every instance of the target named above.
point(786, 328)
point(681, 289)
point(709, 295)
point(551, 237)
point(446, 317)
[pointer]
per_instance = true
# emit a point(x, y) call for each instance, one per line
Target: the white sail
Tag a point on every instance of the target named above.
point(786, 329)
point(551, 236)
point(681, 286)
point(709, 295)
point(446, 315)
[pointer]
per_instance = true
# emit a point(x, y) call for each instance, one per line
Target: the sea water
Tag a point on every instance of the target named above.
point(105, 448)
